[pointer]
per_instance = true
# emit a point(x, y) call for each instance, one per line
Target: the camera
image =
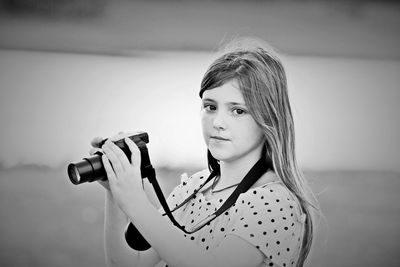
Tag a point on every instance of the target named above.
point(92, 169)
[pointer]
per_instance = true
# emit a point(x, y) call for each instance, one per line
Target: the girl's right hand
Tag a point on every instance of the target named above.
point(95, 143)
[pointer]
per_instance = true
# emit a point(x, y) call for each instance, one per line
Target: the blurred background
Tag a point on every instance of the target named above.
point(72, 70)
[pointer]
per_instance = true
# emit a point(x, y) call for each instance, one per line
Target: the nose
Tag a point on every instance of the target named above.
point(219, 122)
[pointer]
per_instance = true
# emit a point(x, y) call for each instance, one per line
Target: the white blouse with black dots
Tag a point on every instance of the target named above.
point(267, 217)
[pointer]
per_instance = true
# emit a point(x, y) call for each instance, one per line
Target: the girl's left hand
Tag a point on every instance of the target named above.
point(124, 177)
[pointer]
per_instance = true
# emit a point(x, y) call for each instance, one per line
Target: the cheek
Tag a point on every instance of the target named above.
point(206, 121)
point(203, 123)
point(257, 133)
point(205, 126)
point(251, 133)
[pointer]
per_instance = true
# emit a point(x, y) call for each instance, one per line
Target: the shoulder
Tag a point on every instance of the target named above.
point(272, 194)
point(266, 179)
point(270, 190)
point(194, 180)
point(273, 199)
point(200, 175)
point(187, 185)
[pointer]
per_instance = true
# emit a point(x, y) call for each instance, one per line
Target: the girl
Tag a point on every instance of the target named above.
point(246, 120)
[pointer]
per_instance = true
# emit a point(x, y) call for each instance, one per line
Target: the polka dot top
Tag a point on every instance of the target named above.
point(268, 217)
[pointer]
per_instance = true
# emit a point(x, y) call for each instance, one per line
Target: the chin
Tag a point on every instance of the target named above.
point(221, 155)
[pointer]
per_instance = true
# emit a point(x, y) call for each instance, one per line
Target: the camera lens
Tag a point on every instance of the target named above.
point(88, 170)
point(73, 174)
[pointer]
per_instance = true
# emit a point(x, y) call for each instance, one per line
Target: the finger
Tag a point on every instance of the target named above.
point(119, 136)
point(108, 168)
point(96, 141)
point(92, 151)
point(135, 157)
point(119, 154)
point(116, 164)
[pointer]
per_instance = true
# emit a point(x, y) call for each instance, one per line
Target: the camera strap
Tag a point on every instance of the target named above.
point(137, 242)
point(262, 166)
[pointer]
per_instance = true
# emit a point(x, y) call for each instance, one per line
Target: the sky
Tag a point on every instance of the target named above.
point(53, 104)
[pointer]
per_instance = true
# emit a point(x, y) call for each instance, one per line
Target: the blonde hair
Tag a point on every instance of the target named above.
point(262, 81)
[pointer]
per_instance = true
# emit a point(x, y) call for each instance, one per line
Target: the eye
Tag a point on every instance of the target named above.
point(238, 111)
point(209, 107)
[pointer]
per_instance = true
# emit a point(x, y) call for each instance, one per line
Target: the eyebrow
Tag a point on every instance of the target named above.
point(229, 103)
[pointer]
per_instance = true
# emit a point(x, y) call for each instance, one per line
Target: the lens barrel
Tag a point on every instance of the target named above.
point(92, 169)
point(88, 170)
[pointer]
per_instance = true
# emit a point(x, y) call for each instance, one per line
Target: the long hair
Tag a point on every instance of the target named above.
point(262, 81)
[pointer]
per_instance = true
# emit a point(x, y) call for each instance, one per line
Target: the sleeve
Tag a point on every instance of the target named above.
point(267, 220)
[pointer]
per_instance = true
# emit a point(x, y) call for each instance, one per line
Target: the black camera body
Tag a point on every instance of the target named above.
point(92, 169)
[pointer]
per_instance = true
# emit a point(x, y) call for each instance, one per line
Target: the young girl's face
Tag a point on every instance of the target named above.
point(230, 132)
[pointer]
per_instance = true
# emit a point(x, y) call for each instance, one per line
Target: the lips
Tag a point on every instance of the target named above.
point(219, 138)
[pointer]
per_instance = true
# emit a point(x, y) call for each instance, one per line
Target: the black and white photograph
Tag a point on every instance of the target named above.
point(183, 133)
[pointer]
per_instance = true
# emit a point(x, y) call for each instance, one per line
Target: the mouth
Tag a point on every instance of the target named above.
point(220, 138)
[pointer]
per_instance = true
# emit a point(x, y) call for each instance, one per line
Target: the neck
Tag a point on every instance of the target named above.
point(233, 172)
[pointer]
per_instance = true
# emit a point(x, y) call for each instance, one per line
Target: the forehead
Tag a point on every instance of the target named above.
point(228, 92)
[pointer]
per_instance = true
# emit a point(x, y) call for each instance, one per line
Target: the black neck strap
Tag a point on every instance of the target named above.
point(261, 167)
